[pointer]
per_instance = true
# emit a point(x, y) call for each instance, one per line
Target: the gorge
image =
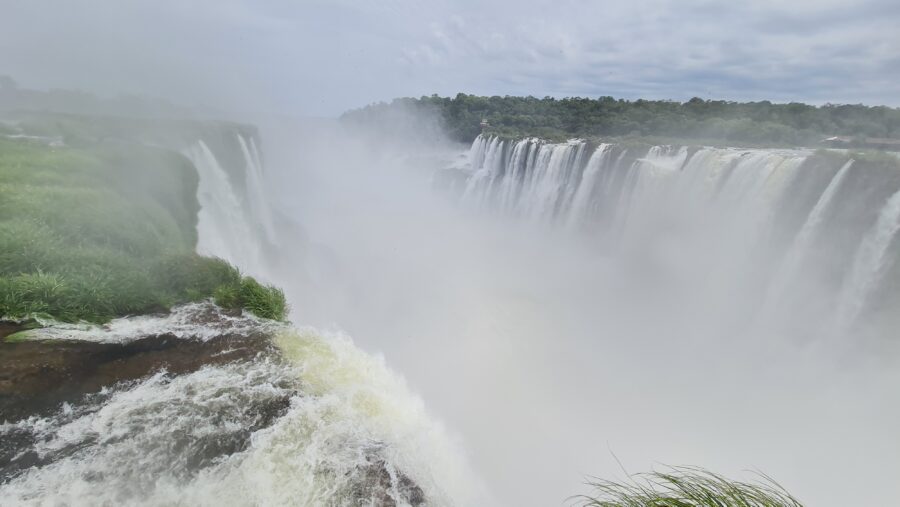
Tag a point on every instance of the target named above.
point(563, 309)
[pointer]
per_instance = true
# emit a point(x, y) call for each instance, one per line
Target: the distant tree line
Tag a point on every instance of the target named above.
point(743, 122)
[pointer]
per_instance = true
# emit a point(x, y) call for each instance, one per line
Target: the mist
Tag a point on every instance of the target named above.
point(555, 357)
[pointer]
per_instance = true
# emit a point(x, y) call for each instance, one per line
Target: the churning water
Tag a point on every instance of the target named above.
point(320, 423)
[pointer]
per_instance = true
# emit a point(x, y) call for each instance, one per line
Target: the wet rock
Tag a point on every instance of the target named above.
point(8, 328)
point(54, 389)
point(205, 451)
point(378, 483)
point(21, 445)
point(37, 376)
point(65, 369)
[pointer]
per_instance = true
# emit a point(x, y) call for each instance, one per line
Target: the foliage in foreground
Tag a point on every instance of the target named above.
point(687, 487)
point(96, 233)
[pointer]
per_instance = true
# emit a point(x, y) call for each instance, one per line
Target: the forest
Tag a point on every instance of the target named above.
point(761, 123)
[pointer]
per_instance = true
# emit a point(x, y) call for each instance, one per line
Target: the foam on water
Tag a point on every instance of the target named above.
point(197, 321)
point(351, 432)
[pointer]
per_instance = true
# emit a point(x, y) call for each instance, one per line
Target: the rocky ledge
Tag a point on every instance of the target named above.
point(62, 368)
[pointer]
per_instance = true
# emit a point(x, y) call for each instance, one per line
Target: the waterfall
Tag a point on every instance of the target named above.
point(222, 227)
point(717, 204)
point(564, 182)
point(646, 183)
point(256, 194)
point(870, 262)
point(585, 193)
point(790, 268)
point(232, 225)
point(816, 218)
point(528, 177)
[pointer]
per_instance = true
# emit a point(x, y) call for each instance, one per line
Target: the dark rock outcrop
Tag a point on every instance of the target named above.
point(50, 378)
point(377, 482)
point(37, 376)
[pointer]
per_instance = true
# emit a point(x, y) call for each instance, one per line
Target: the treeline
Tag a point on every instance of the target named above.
point(740, 122)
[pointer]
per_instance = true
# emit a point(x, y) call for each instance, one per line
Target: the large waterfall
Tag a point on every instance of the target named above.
point(234, 222)
point(306, 419)
point(808, 233)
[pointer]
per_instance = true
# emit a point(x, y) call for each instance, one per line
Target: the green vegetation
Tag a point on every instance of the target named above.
point(687, 487)
point(106, 230)
point(751, 123)
point(264, 301)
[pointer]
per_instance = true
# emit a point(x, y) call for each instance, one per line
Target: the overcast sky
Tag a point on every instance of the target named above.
point(310, 57)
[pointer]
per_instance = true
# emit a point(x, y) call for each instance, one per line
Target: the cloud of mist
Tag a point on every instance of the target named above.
point(552, 360)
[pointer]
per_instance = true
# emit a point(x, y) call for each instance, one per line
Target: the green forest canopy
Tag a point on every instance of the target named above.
point(743, 122)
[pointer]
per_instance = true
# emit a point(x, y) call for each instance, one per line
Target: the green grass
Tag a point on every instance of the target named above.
point(686, 487)
point(96, 232)
point(263, 301)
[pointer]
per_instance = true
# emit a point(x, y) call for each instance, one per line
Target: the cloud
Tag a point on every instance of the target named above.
point(322, 57)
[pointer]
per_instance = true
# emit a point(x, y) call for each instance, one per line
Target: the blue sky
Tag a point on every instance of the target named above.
point(322, 57)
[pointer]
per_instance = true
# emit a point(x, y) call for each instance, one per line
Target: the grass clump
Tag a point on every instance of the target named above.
point(93, 233)
point(687, 487)
point(264, 301)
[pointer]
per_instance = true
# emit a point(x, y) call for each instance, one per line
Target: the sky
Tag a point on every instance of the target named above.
point(322, 57)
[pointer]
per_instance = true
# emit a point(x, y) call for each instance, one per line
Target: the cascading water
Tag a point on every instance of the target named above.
point(233, 223)
point(800, 246)
point(870, 263)
point(594, 181)
point(223, 228)
point(534, 178)
point(256, 195)
point(739, 204)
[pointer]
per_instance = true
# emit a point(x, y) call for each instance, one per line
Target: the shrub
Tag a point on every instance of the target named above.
point(264, 301)
point(687, 487)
